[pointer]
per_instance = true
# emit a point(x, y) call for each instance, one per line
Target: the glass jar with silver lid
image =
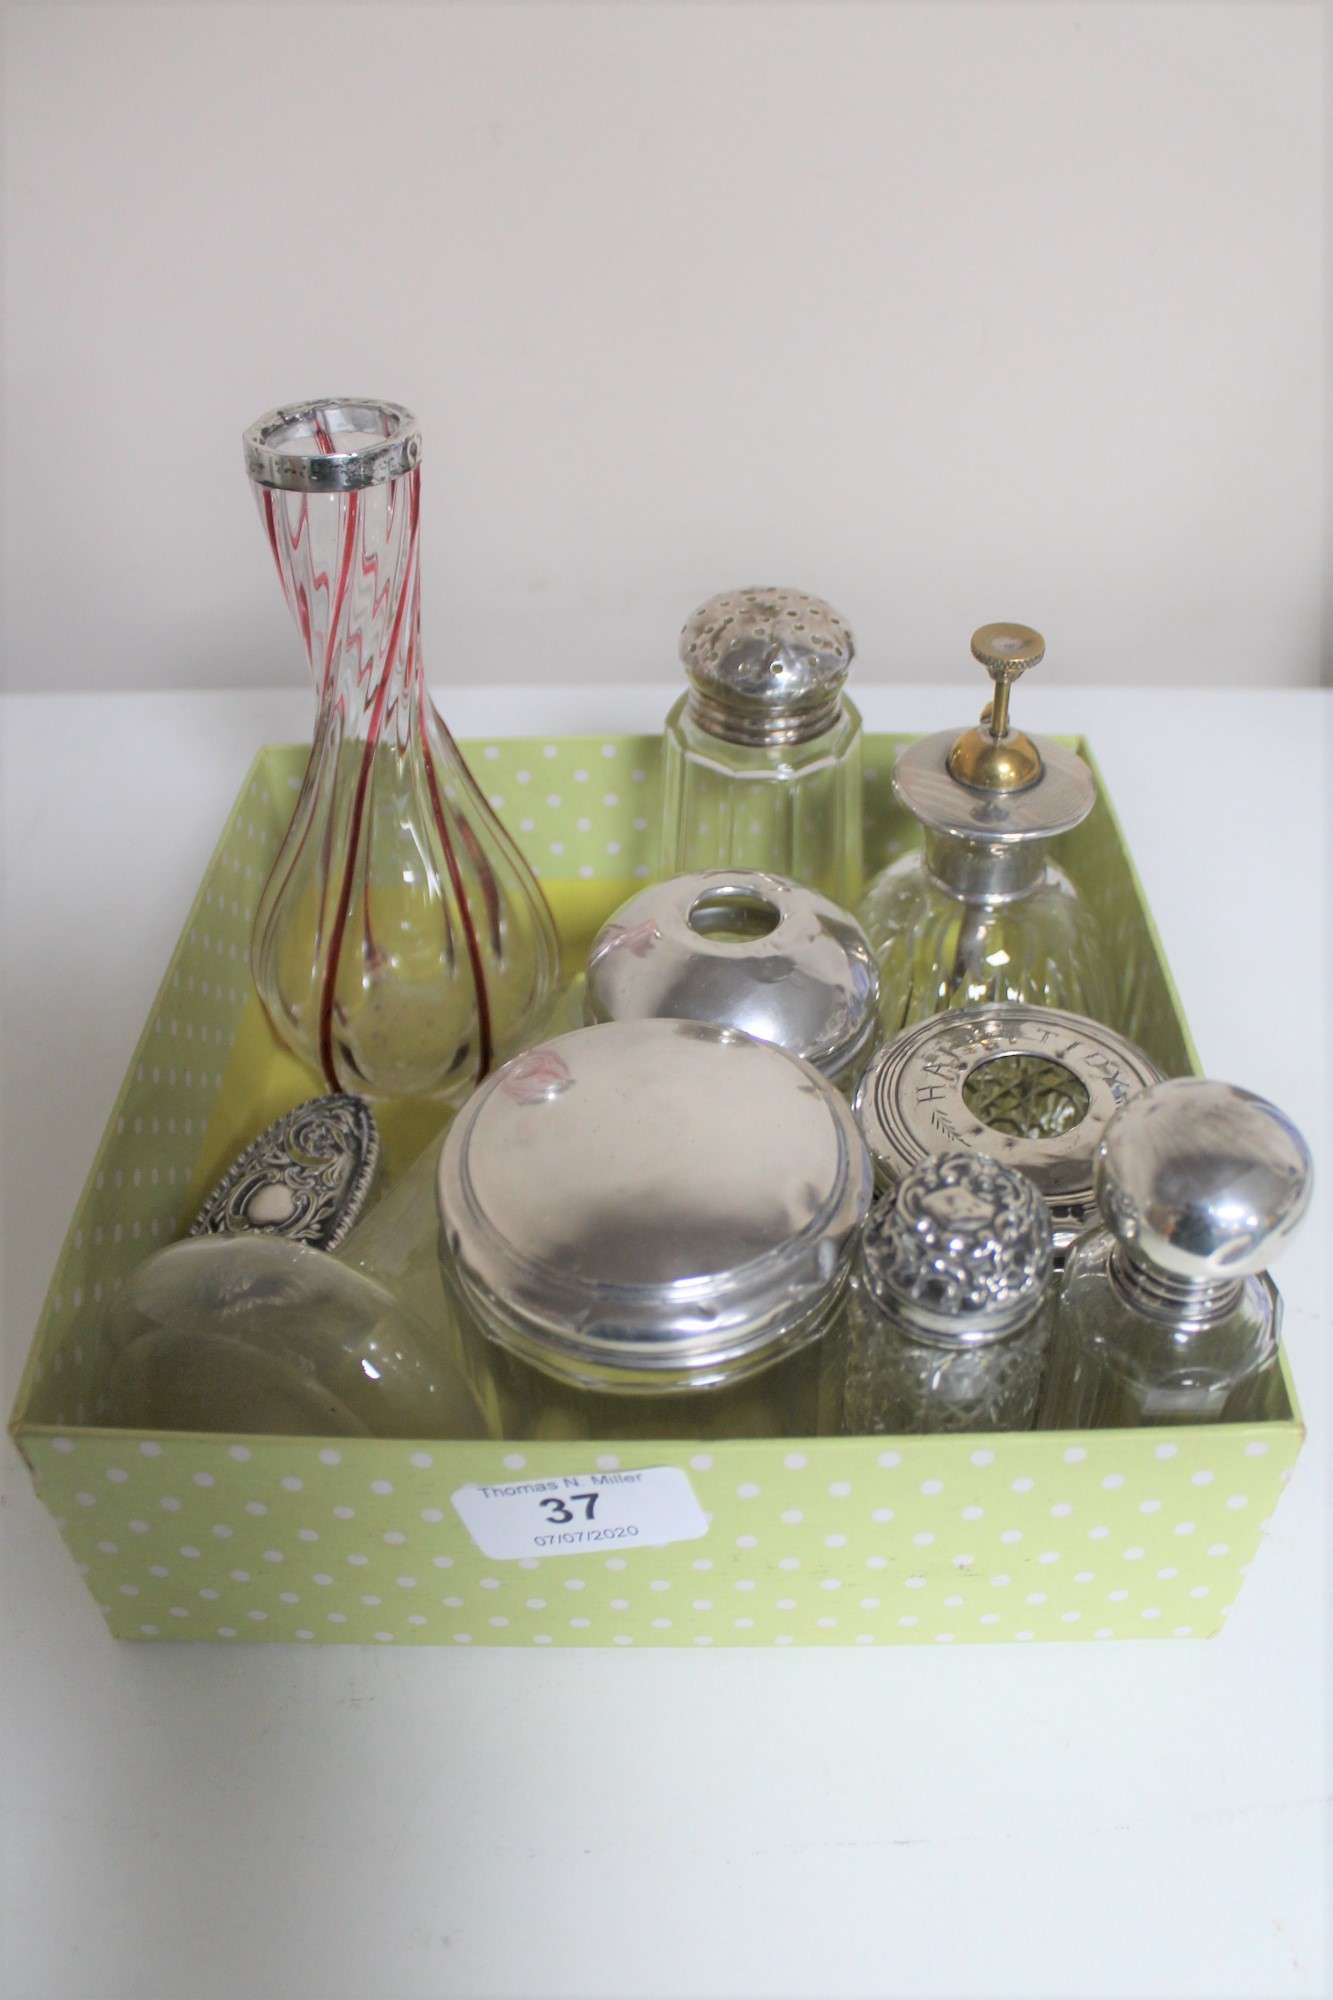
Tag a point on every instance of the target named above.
point(949, 1316)
point(762, 753)
point(646, 1229)
point(745, 949)
point(1033, 1087)
point(1166, 1313)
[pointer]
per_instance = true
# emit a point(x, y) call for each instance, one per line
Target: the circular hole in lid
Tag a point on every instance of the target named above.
point(1026, 1096)
point(733, 915)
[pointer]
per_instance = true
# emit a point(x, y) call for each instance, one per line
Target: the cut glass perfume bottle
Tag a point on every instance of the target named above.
point(948, 1319)
point(762, 754)
point(1166, 1313)
point(401, 945)
point(981, 913)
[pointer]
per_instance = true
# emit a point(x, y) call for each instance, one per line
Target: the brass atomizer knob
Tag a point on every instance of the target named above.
point(993, 757)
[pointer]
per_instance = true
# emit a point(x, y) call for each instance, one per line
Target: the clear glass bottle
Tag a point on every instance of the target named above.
point(743, 948)
point(949, 1318)
point(646, 1229)
point(401, 945)
point(762, 754)
point(981, 913)
point(292, 1306)
point(1166, 1313)
point(1033, 1087)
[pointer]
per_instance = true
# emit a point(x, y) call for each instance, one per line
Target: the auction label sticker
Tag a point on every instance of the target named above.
point(574, 1514)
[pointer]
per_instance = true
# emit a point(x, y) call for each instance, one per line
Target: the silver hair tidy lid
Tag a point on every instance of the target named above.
point(1202, 1180)
point(335, 444)
point(766, 665)
point(307, 1178)
point(1031, 1086)
point(653, 1203)
point(961, 1250)
point(744, 949)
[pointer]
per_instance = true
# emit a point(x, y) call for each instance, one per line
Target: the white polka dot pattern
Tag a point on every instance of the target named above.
point(931, 1548)
point(812, 1542)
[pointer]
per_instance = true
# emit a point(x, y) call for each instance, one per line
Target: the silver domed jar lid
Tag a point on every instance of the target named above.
point(1202, 1180)
point(1031, 1086)
point(766, 666)
point(961, 1249)
point(653, 1204)
point(744, 949)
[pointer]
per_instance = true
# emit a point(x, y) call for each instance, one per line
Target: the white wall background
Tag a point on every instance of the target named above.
point(948, 312)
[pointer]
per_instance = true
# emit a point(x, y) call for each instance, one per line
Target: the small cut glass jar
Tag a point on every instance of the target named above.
point(744, 949)
point(762, 754)
point(949, 1313)
point(646, 1229)
point(1166, 1313)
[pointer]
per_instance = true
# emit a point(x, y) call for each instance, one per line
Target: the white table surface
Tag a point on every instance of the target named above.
point(1129, 1819)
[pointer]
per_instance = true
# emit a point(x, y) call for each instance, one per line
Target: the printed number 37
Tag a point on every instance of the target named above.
point(559, 1512)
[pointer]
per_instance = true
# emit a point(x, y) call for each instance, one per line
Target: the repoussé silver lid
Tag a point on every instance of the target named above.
point(1203, 1180)
point(765, 665)
point(960, 1250)
point(1033, 1087)
point(653, 1204)
point(744, 949)
point(308, 1177)
point(334, 444)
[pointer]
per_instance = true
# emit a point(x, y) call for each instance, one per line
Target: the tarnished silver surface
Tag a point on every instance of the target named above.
point(980, 835)
point(961, 1249)
point(307, 1178)
point(659, 1201)
point(333, 444)
point(911, 1102)
point(1201, 1181)
point(744, 949)
point(766, 666)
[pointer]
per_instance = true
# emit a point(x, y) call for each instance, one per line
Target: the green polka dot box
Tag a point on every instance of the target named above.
point(780, 1542)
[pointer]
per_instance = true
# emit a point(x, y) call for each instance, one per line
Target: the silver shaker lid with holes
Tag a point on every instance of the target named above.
point(1033, 1087)
point(765, 665)
point(653, 1204)
point(307, 1178)
point(960, 1250)
point(744, 949)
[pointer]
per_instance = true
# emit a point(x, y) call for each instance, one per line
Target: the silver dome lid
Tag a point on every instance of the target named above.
point(1031, 1086)
point(961, 1250)
point(744, 949)
point(653, 1204)
point(1202, 1180)
point(766, 666)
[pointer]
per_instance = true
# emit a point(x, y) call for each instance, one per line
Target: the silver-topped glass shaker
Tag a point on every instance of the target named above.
point(981, 913)
point(949, 1313)
point(1166, 1313)
point(763, 751)
point(743, 948)
point(646, 1229)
